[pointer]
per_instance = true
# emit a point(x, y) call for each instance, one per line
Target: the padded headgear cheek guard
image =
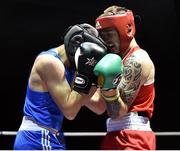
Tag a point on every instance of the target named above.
point(72, 39)
point(123, 23)
point(77, 34)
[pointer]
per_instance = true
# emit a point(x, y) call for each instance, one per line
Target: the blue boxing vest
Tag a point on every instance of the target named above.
point(41, 107)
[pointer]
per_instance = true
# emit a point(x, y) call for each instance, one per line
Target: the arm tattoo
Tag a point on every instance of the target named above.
point(131, 79)
point(113, 108)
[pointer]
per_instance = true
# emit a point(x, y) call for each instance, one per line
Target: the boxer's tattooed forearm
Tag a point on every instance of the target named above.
point(130, 81)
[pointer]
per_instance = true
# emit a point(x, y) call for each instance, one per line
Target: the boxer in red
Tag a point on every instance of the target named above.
point(130, 105)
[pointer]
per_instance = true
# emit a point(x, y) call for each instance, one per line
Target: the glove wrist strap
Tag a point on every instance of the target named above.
point(81, 83)
point(111, 98)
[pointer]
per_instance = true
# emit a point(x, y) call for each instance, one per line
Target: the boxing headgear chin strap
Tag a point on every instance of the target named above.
point(123, 23)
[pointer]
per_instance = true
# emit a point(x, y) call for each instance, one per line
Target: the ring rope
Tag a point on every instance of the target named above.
point(177, 133)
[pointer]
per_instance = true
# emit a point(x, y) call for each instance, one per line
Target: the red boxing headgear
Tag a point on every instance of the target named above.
point(123, 22)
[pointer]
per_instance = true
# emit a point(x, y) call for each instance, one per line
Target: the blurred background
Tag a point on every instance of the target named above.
point(29, 26)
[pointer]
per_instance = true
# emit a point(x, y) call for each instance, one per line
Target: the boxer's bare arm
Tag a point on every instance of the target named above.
point(138, 70)
point(51, 72)
point(96, 103)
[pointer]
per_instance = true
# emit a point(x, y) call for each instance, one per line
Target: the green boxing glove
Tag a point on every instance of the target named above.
point(109, 70)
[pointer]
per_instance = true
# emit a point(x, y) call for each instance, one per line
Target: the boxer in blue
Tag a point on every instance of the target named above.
point(59, 84)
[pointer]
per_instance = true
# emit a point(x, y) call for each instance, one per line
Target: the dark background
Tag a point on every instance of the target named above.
point(30, 26)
